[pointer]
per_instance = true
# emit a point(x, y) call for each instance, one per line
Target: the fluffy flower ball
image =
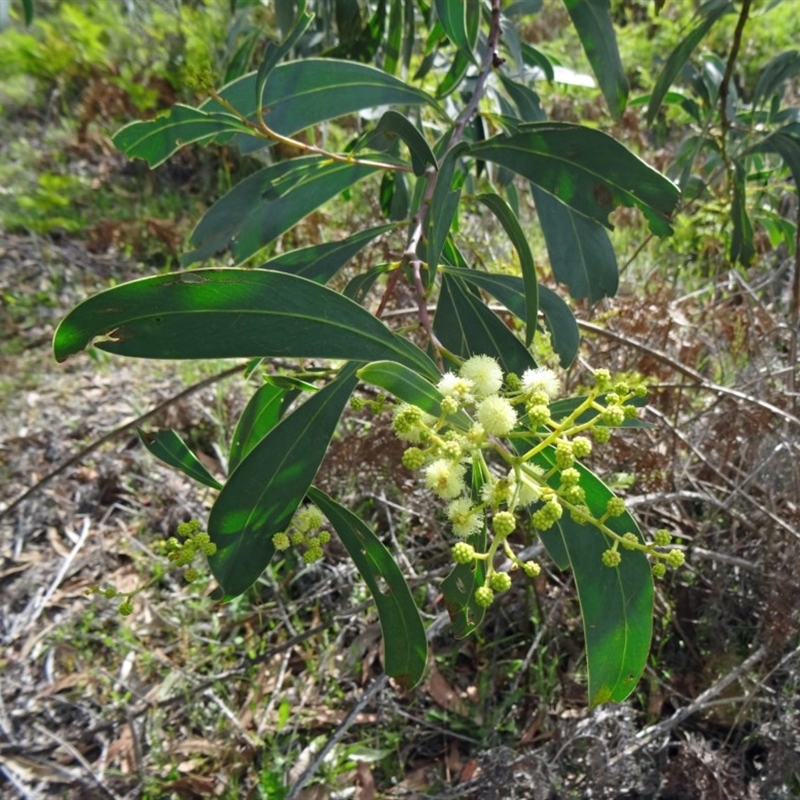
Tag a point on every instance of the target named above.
point(466, 520)
point(497, 416)
point(484, 373)
point(445, 478)
point(541, 380)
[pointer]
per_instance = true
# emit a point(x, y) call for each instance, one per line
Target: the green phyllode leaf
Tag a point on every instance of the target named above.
point(509, 221)
point(232, 313)
point(156, 140)
point(404, 640)
point(510, 291)
point(260, 416)
point(592, 21)
point(320, 262)
point(466, 327)
point(581, 254)
point(168, 447)
point(269, 203)
point(708, 14)
point(585, 169)
point(616, 603)
point(266, 488)
point(409, 386)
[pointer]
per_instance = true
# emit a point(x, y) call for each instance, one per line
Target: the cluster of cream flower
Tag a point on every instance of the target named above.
point(482, 412)
point(304, 531)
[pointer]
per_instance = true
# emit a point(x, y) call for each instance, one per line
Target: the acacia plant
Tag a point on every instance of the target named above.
point(449, 124)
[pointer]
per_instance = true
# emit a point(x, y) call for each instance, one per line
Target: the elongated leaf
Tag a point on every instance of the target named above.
point(358, 288)
point(156, 140)
point(460, 22)
point(231, 313)
point(404, 640)
point(273, 53)
point(509, 290)
point(466, 327)
point(592, 21)
point(786, 143)
point(27, 7)
point(444, 205)
point(321, 262)
point(394, 38)
point(260, 416)
point(458, 68)
point(708, 14)
point(581, 254)
point(394, 125)
point(267, 204)
point(509, 221)
point(742, 247)
point(302, 93)
point(171, 449)
point(616, 603)
point(774, 75)
point(264, 491)
point(526, 100)
point(586, 169)
point(407, 385)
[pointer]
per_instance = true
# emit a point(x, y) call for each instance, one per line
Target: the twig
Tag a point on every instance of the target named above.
point(647, 735)
point(78, 756)
point(744, 13)
point(113, 434)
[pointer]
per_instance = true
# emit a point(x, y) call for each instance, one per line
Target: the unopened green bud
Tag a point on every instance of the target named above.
point(575, 495)
point(500, 582)
point(484, 596)
point(313, 554)
point(357, 403)
point(513, 382)
point(602, 379)
point(611, 558)
point(126, 608)
point(662, 538)
point(531, 569)
point(659, 569)
point(641, 390)
point(110, 592)
point(631, 412)
point(323, 537)
point(281, 541)
point(629, 541)
point(191, 575)
point(675, 558)
point(297, 538)
point(581, 515)
point(504, 523)
point(538, 415)
point(581, 447)
point(570, 477)
point(613, 415)
point(601, 435)
point(565, 457)
point(615, 507)
point(449, 405)
point(463, 553)
point(413, 458)
point(612, 399)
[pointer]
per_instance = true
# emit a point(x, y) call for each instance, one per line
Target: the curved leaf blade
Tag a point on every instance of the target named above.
point(616, 603)
point(392, 124)
point(269, 203)
point(264, 491)
point(460, 22)
point(466, 327)
point(157, 139)
point(513, 229)
point(443, 206)
point(232, 313)
point(586, 169)
point(302, 93)
point(168, 447)
point(409, 386)
point(320, 262)
point(509, 290)
point(592, 21)
point(709, 13)
point(260, 416)
point(404, 640)
point(581, 254)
